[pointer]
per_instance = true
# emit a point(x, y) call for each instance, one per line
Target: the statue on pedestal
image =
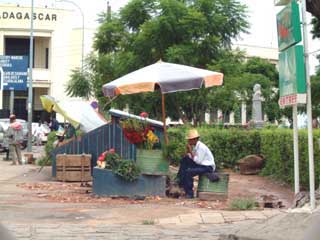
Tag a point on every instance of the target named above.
point(257, 106)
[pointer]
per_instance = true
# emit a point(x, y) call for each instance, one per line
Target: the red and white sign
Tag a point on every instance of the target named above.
point(293, 99)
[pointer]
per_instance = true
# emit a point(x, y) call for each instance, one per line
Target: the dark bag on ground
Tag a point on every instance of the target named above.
point(213, 176)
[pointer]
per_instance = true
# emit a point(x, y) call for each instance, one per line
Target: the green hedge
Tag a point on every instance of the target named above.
point(277, 147)
point(230, 145)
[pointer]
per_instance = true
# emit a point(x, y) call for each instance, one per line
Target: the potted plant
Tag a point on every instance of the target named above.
point(125, 169)
point(114, 176)
point(149, 159)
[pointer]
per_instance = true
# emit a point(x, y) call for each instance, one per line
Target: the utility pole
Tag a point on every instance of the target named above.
point(30, 90)
point(309, 106)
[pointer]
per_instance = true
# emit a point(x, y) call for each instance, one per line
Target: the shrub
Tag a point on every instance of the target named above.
point(148, 222)
point(127, 170)
point(227, 145)
point(230, 145)
point(277, 147)
point(48, 148)
point(242, 204)
point(112, 160)
point(176, 148)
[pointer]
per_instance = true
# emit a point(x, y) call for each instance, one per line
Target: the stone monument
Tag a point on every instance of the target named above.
point(257, 106)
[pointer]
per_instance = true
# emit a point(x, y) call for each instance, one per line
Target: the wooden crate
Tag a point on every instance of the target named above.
point(74, 167)
point(211, 196)
point(210, 191)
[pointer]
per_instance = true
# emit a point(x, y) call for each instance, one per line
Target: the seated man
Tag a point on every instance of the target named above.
point(199, 160)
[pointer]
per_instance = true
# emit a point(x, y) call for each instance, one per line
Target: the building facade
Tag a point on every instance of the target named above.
point(57, 50)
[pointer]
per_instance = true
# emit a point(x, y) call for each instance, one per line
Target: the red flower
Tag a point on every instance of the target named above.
point(144, 114)
point(136, 131)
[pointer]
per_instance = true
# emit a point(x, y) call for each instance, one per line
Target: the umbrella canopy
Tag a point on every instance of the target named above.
point(50, 104)
point(47, 102)
point(169, 77)
point(78, 113)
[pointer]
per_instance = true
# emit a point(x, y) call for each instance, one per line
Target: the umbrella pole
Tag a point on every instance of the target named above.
point(166, 140)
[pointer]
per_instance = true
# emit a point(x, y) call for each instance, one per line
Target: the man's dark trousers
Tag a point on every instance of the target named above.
point(188, 169)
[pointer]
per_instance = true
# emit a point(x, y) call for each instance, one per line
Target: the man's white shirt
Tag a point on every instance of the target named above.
point(203, 156)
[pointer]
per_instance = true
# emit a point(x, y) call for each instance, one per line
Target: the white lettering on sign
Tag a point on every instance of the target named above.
point(5, 62)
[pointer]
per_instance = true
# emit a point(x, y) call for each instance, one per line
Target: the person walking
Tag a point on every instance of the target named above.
point(198, 160)
point(14, 135)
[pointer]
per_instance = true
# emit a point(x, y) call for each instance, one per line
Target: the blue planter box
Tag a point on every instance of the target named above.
point(105, 183)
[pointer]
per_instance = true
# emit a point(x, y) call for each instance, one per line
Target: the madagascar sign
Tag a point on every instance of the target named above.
point(26, 16)
point(292, 78)
point(288, 25)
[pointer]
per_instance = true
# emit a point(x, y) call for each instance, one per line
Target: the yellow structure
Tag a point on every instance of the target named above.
point(57, 50)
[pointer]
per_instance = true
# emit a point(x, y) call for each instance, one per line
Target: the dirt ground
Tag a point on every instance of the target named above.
point(240, 186)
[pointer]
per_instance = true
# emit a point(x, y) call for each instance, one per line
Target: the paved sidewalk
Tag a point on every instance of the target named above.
point(218, 217)
point(33, 218)
point(118, 232)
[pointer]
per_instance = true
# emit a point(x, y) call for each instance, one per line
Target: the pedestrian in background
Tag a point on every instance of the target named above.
point(15, 137)
point(38, 133)
point(54, 124)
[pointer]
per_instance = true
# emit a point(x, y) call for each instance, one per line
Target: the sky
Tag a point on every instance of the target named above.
point(262, 18)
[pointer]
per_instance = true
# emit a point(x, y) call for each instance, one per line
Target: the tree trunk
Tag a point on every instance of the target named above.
point(313, 6)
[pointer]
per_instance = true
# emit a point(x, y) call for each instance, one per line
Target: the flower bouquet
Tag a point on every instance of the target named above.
point(108, 159)
point(139, 133)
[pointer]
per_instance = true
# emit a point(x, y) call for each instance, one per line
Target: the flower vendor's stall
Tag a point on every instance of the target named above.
point(166, 78)
point(115, 176)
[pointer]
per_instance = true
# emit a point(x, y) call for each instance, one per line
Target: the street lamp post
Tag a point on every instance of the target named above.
point(82, 15)
point(29, 147)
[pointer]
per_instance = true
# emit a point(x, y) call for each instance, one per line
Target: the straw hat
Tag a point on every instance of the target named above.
point(193, 133)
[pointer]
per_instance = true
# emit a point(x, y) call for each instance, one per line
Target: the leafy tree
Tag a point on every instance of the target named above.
point(191, 32)
point(315, 27)
point(313, 6)
point(315, 94)
point(79, 84)
point(240, 77)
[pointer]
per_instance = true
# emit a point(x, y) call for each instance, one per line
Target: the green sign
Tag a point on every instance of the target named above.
point(292, 78)
point(282, 2)
point(288, 25)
